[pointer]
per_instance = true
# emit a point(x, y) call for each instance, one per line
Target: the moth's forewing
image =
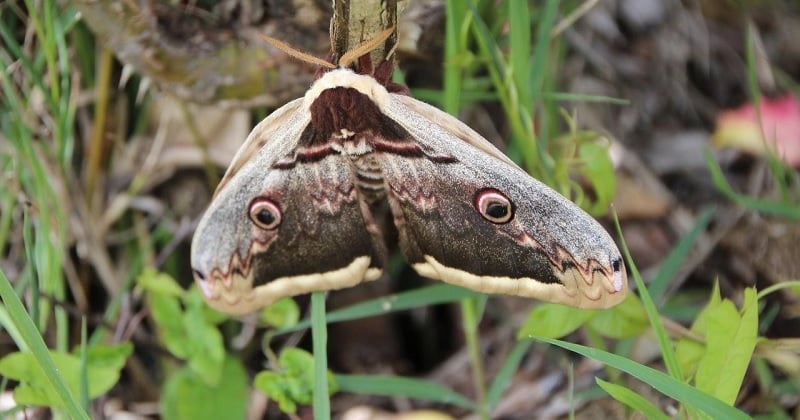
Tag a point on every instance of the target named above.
point(550, 249)
point(320, 242)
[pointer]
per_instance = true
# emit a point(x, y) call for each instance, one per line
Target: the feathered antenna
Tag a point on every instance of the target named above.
point(344, 61)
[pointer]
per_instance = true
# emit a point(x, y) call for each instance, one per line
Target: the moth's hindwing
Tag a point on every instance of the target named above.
point(481, 222)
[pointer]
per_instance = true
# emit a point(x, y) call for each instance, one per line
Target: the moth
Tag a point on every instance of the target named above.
point(298, 210)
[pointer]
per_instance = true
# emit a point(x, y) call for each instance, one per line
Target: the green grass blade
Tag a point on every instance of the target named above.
point(10, 43)
point(519, 118)
point(27, 237)
point(519, 36)
point(632, 400)
point(319, 335)
point(452, 72)
point(7, 325)
point(775, 208)
point(503, 377)
point(753, 85)
point(660, 381)
point(672, 263)
point(584, 97)
point(496, 65)
point(84, 368)
point(426, 296)
point(667, 350)
point(37, 346)
point(396, 386)
point(539, 63)
point(471, 313)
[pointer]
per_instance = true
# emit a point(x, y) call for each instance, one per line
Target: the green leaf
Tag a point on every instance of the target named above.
point(273, 385)
point(628, 319)
point(393, 386)
point(688, 351)
point(45, 365)
point(298, 364)
point(207, 351)
point(293, 383)
point(281, 314)
point(632, 400)
point(730, 341)
point(599, 171)
point(168, 315)
point(660, 381)
point(554, 321)
point(159, 283)
point(35, 389)
point(187, 396)
point(108, 356)
point(194, 299)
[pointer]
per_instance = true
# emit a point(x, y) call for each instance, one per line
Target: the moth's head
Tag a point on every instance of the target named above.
point(342, 77)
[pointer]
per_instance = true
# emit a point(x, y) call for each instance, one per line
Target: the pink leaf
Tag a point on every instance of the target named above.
point(779, 130)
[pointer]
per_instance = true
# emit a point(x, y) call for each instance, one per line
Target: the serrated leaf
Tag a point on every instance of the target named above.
point(554, 321)
point(628, 319)
point(298, 367)
point(187, 396)
point(296, 361)
point(689, 352)
point(294, 383)
point(730, 340)
point(273, 386)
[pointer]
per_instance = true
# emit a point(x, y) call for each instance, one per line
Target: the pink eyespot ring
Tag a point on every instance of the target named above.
point(264, 213)
point(494, 206)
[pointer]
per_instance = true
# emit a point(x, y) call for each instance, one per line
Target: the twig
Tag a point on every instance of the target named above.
point(354, 22)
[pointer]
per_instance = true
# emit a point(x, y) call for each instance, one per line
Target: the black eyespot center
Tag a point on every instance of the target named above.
point(494, 206)
point(265, 213)
point(497, 210)
point(265, 217)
